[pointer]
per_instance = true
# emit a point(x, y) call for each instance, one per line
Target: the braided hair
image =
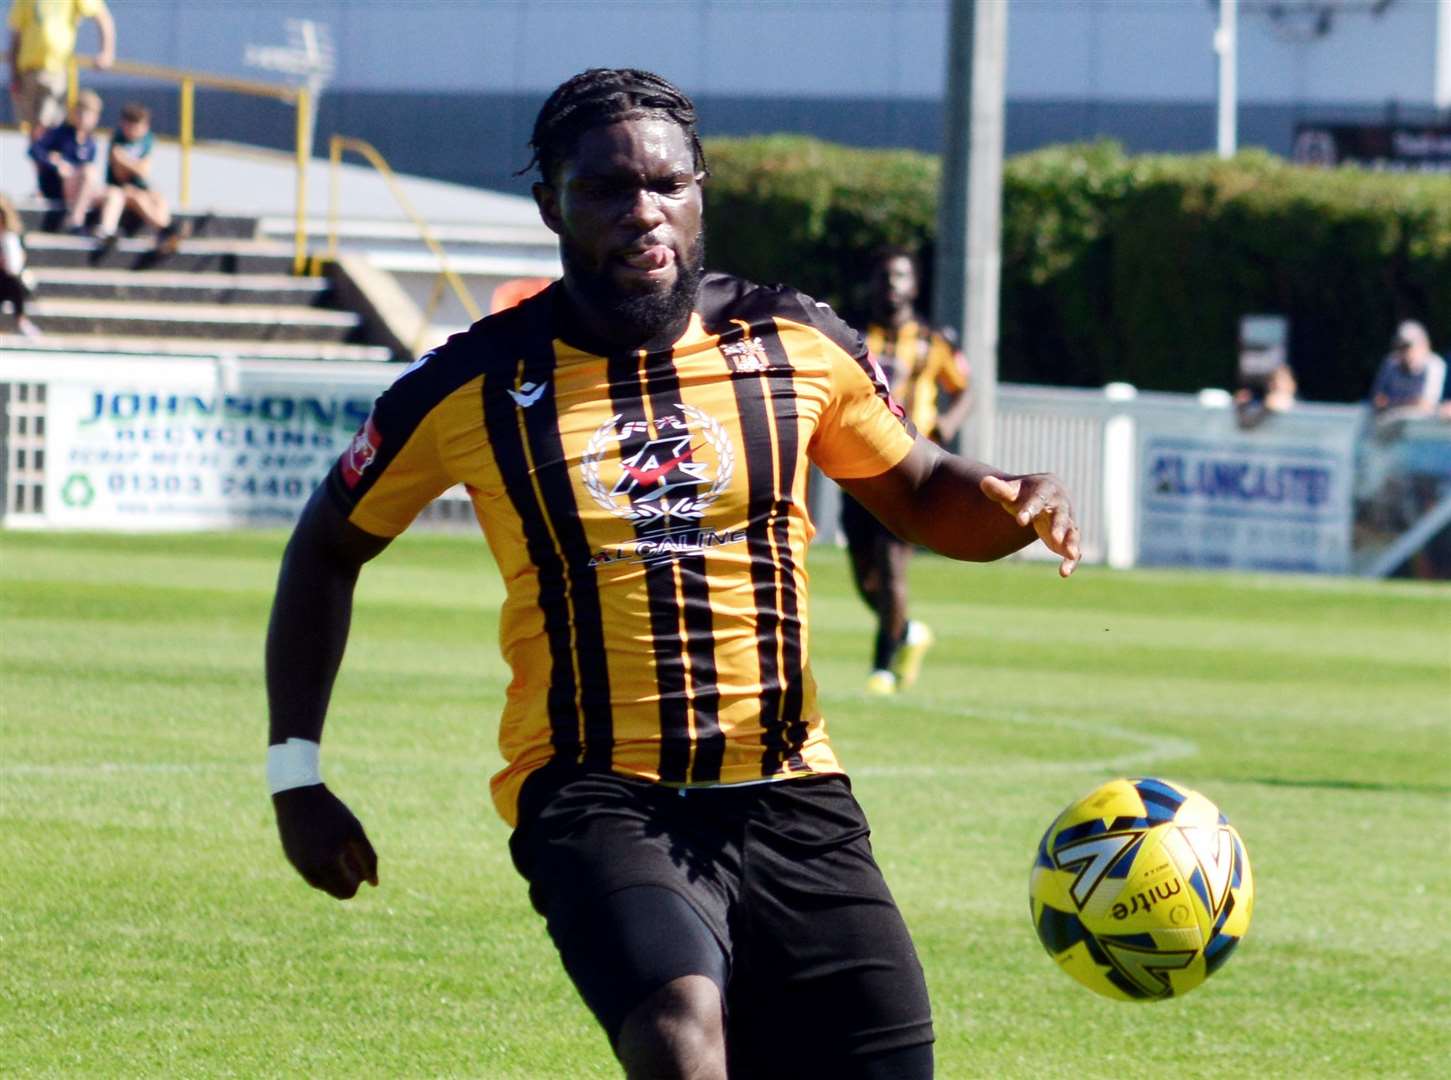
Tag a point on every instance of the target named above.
point(605, 96)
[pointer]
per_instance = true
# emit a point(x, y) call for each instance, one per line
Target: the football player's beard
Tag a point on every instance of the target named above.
point(647, 314)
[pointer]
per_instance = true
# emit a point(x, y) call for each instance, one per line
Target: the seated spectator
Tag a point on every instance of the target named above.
point(65, 161)
point(128, 181)
point(1411, 378)
point(1253, 405)
point(15, 287)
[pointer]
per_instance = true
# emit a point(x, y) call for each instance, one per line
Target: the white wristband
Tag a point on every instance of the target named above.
point(292, 764)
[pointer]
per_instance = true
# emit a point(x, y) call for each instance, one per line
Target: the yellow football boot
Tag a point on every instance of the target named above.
point(907, 664)
point(881, 684)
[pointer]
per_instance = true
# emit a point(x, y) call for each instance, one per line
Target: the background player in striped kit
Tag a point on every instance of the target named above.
point(635, 440)
point(920, 364)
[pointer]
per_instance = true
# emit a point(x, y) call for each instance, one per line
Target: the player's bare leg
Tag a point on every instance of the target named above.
point(677, 1033)
point(867, 575)
point(909, 638)
point(891, 557)
point(864, 575)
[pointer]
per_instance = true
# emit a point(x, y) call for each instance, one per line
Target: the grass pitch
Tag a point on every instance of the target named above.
point(149, 925)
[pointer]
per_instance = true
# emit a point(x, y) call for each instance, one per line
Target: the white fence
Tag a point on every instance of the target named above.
point(1158, 479)
point(1172, 479)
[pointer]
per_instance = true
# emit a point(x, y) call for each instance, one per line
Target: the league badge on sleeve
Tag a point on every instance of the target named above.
point(360, 453)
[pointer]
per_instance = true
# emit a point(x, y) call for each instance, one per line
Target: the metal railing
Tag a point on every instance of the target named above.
point(337, 145)
point(187, 82)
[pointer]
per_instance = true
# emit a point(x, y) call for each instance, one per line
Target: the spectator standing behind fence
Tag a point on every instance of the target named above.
point(42, 41)
point(1411, 378)
point(1253, 405)
point(128, 182)
point(65, 161)
point(15, 289)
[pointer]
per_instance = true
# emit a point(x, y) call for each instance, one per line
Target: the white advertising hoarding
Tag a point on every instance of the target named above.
point(196, 443)
point(1274, 498)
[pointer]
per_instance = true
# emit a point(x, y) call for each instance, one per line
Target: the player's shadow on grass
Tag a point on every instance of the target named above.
point(1353, 785)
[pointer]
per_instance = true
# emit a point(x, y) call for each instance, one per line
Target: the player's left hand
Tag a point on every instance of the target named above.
point(1040, 501)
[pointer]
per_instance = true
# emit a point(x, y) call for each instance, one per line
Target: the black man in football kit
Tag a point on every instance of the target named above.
point(636, 441)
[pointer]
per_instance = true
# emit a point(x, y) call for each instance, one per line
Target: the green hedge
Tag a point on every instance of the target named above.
point(1117, 267)
point(794, 209)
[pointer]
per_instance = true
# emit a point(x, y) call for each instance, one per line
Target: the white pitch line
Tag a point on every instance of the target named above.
point(1151, 750)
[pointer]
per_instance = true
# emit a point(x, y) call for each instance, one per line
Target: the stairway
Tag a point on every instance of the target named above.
point(225, 290)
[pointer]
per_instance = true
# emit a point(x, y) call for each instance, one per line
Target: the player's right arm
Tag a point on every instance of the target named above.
point(392, 469)
point(306, 637)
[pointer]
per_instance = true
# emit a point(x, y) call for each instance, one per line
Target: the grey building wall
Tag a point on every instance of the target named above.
point(449, 88)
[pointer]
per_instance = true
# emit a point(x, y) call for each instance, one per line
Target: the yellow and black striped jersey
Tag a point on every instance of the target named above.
point(648, 514)
point(918, 361)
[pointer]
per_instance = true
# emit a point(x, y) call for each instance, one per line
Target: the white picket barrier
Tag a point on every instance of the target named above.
point(138, 442)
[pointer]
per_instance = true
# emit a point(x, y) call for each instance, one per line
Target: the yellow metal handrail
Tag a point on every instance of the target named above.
point(187, 82)
point(336, 146)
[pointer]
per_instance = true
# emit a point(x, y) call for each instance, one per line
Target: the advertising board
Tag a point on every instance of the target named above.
point(1261, 501)
point(197, 445)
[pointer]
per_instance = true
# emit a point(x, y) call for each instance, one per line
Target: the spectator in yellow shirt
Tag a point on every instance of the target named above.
point(42, 41)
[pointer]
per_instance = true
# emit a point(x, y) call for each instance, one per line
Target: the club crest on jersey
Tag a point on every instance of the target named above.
point(747, 357)
point(663, 473)
point(360, 453)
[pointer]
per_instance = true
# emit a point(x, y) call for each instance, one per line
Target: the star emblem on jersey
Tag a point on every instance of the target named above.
point(671, 477)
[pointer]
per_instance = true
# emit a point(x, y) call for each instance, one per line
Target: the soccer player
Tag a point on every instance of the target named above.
point(635, 441)
point(918, 362)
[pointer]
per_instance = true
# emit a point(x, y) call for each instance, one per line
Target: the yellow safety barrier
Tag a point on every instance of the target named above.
point(187, 82)
point(336, 146)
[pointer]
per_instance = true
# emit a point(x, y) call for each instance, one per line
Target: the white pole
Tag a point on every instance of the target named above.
point(1443, 55)
point(1226, 45)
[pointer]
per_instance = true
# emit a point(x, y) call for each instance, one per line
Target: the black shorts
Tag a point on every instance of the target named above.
point(861, 528)
point(770, 890)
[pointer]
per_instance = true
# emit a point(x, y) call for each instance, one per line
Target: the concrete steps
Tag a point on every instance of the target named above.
point(232, 294)
point(220, 322)
point(228, 256)
point(41, 215)
point(201, 287)
point(180, 346)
